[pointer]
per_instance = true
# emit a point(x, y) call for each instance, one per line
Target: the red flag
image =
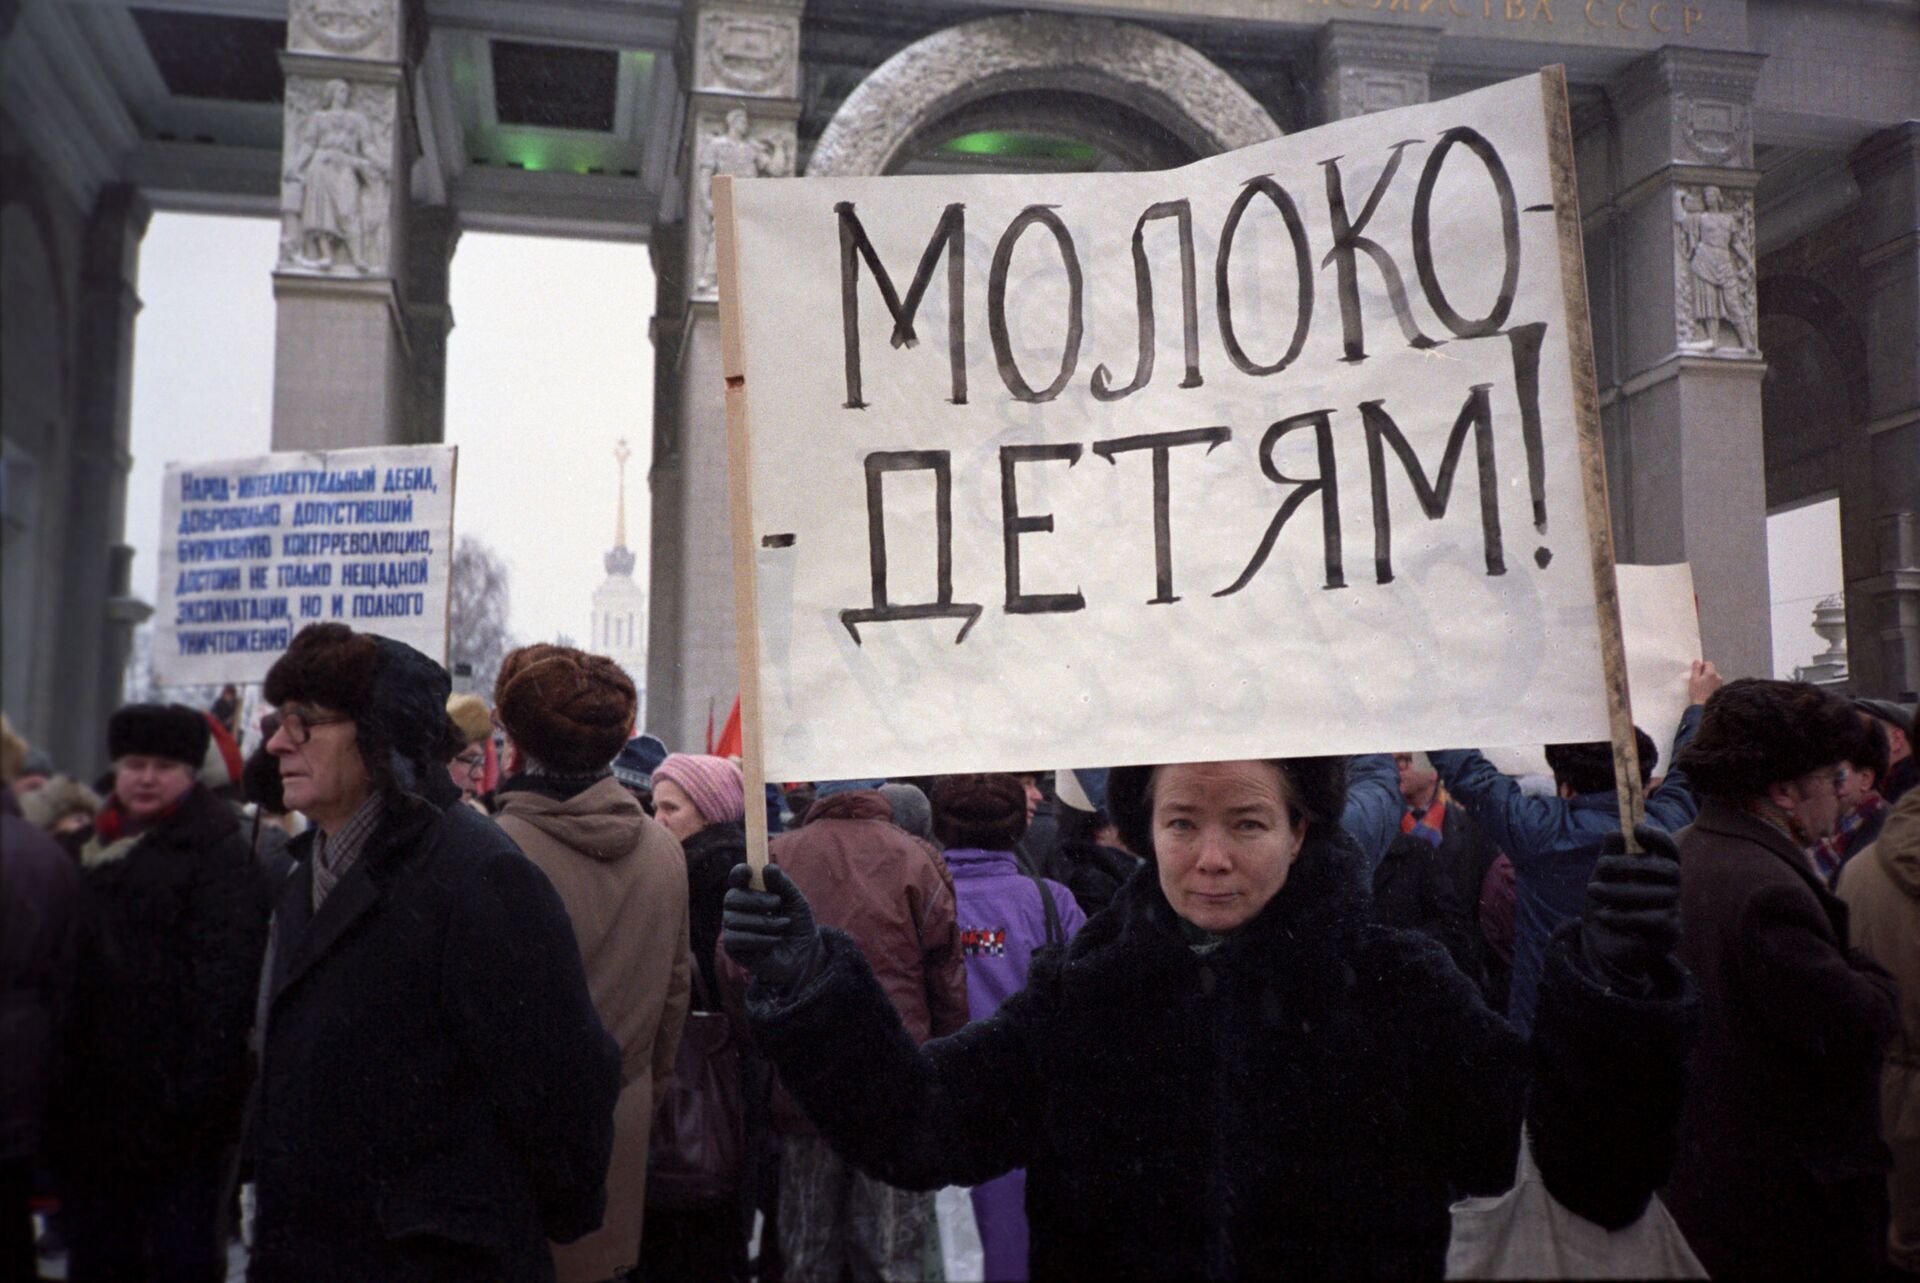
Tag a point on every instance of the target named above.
point(731, 743)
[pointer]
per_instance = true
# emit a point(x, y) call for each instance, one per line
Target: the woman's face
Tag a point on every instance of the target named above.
point(673, 808)
point(1222, 839)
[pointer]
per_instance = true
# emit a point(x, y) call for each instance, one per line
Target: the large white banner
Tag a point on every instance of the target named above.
point(1276, 453)
point(253, 550)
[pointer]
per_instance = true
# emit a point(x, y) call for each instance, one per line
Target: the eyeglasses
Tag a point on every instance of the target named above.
point(299, 726)
point(471, 763)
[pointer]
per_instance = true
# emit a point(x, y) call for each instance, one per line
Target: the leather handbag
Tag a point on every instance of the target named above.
point(695, 1152)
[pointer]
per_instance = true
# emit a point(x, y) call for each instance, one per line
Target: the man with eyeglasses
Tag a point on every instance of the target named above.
point(473, 720)
point(1781, 1169)
point(436, 1091)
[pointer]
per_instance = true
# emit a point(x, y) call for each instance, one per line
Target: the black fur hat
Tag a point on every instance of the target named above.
point(172, 731)
point(1317, 786)
point(396, 695)
point(1756, 732)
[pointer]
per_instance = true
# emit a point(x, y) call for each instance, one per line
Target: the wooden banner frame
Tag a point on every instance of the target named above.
point(1593, 475)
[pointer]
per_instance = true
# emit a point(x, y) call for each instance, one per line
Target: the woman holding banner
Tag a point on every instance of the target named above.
point(1232, 1072)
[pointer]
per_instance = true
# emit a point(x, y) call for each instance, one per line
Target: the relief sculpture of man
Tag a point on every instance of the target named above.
point(735, 154)
point(1719, 265)
point(339, 175)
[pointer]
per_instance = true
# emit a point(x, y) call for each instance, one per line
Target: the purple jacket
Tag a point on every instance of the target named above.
point(1001, 923)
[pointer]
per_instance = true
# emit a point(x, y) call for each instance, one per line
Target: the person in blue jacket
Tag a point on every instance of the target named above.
point(1554, 841)
point(1374, 804)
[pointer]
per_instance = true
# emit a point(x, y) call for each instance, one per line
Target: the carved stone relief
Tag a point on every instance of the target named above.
point(1714, 278)
point(738, 146)
point(747, 52)
point(369, 28)
point(336, 189)
point(1165, 79)
point(1362, 90)
point(1711, 131)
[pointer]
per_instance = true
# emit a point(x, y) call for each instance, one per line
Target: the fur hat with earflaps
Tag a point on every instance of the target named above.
point(396, 696)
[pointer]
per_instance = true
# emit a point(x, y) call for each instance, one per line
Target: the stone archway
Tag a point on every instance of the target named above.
point(939, 77)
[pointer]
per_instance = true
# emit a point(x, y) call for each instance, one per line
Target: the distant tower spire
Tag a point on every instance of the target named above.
point(619, 559)
point(621, 454)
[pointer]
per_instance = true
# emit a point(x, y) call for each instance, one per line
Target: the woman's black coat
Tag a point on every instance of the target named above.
point(1305, 1100)
point(436, 1091)
point(153, 1071)
point(711, 854)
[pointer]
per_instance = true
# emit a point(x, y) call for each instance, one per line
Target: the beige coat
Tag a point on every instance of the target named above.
point(624, 883)
point(1881, 886)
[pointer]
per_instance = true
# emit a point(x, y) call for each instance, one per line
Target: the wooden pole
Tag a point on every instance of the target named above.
point(746, 600)
point(1593, 467)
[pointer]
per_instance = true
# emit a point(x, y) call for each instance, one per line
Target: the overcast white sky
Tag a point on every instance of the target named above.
point(548, 365)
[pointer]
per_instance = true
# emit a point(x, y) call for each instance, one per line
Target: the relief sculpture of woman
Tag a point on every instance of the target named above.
point(336, 169)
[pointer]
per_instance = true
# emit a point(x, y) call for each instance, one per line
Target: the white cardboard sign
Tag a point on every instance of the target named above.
point(253, 550)
point(1277, 453)
point(1660, 623)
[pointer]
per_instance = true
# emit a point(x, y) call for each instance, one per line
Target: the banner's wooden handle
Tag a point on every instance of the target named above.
point(1593, 465)
point(746, 597)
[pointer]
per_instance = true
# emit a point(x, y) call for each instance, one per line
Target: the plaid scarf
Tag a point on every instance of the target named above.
point(334, 857)
point(1829, 853)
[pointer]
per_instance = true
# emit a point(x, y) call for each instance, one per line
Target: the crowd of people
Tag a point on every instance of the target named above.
point(482, 987)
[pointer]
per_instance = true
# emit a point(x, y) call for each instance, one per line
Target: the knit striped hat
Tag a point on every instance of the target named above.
point(712, 783)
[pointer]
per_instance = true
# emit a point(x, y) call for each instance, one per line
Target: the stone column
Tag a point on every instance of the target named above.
point(1880, 511)
point(341, 358)
point(740, 62)
point(1678, 318)
point(84, 661)
point(1367, 67)
point(433, 232)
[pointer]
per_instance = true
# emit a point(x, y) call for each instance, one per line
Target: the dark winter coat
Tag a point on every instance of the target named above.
point(1781, 1168)
point(40, 901)
point(1094, 873)
point(436, 1095)
point(1305, 1100)
point(1415, 888)
point(711, 854)
point(154, 1062)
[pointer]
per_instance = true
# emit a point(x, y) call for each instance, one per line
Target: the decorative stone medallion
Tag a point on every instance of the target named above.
point(749, 53)
point(343, 26)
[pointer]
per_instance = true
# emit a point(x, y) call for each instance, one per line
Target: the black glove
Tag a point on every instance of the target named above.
point(771, 933)
point(1632, 915)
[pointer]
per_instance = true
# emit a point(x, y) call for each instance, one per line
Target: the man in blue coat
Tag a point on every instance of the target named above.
point(1554, 842)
